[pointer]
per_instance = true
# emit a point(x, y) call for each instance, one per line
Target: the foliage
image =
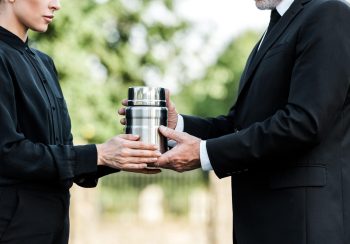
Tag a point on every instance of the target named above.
point(213, 94)
point(101, 48)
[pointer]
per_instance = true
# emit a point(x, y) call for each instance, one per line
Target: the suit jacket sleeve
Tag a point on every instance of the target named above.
point(318, 89)
point(205, 128)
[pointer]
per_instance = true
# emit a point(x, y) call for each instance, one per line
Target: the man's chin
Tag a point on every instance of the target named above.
point(266, 4)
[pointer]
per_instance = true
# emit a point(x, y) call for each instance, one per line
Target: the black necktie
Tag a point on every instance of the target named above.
point(274, 17)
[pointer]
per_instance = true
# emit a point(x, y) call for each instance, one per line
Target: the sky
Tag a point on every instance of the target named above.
point(228, 17)
point(222, 20)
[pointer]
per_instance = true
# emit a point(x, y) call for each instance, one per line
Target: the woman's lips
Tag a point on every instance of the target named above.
point(48, 18)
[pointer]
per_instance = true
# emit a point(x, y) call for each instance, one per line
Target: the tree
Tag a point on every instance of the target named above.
point(102, 47)
point(215, 92)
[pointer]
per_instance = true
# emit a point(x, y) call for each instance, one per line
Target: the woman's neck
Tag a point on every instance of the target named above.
point(9, 22)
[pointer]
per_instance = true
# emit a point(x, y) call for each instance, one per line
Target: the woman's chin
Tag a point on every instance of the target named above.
point(40, 28)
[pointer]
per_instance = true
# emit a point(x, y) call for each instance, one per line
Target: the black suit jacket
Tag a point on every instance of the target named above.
point(286, 140)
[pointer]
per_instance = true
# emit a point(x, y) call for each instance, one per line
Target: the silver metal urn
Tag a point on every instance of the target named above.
point(147, 111)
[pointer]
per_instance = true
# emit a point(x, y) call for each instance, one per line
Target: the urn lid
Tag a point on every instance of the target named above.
point(146, 96)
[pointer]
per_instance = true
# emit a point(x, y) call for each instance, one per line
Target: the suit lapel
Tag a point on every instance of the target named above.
point(248, 64)
point(280, 27)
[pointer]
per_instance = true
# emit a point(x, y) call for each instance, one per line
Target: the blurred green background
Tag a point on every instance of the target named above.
point(96, 48)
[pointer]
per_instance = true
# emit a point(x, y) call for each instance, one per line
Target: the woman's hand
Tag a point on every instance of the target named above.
point(125, 152)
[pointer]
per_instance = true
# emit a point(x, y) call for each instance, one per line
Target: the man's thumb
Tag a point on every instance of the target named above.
point(169, 133)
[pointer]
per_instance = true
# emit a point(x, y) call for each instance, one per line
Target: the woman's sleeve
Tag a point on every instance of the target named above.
point(26, 160)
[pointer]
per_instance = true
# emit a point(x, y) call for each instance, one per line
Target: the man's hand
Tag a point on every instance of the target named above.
point(121, 111)
point(172, 114)
point(184, 156)
point(125, 152)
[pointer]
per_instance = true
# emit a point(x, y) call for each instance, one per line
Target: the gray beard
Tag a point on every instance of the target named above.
point(266, 4)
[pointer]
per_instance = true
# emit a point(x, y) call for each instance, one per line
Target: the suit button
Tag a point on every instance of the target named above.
point(53, 108)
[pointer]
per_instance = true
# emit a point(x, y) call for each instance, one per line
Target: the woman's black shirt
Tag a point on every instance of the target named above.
point(35, 130)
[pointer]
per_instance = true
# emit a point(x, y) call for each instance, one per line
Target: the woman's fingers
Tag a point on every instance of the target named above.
point(129, 137)
point(140, 145)
point(141, 153)
point(133, 166)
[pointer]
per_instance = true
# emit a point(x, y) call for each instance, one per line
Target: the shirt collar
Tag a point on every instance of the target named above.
point(13, 40)
point(283, 6)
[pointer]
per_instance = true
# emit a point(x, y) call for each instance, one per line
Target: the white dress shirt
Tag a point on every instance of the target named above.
point(281, 8)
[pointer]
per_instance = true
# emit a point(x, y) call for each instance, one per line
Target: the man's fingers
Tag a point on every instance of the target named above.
point(163, 160)
point(171, 134)
point(167, 96)
point(125, 102)
point(167, 99)
point(123, 121)
point(121, 111)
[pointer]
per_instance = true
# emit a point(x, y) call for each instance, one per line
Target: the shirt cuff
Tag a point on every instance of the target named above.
point(180, 123)
point(204, 158)
point(179, 127)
